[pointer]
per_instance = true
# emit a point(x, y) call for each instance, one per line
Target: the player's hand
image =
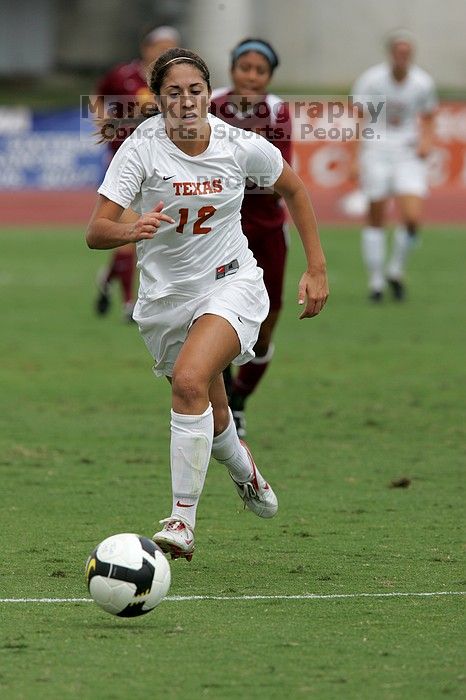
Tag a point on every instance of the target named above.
point(146, 226)
point(313, 292)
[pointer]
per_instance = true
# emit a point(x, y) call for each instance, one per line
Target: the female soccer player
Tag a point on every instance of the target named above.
point(201, 297)
point(247, 105)
point(395, 165)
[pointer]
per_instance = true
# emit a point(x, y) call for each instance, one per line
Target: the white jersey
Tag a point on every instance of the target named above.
point(203, 194)
point(405, 101)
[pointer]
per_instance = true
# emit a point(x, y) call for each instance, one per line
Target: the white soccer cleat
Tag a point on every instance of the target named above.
point(176, 538)
point(257, 494)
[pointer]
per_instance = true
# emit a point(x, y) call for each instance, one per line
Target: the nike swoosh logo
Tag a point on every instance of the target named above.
point(188, 541)
point(184, 505)
point(240, 320)
point(168, 178)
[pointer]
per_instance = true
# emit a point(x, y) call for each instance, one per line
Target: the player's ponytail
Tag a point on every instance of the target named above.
point(110, 129)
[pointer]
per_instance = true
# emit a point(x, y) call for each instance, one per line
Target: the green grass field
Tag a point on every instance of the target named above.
point(354, 399)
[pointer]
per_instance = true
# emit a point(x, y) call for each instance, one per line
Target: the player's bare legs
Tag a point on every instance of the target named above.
point(250, 374)
point(232, 452)
point(410, 208)
point(266, 333)
point(405, 239)
point(198, 404)
point(229, 450)
point(373, 248)
point(210, 345)
point(219, 400)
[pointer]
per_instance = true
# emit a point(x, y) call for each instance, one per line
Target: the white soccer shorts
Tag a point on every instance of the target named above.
point(164, 323)
point(390, 173)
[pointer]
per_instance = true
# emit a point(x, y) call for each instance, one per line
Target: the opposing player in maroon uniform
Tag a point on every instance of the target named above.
point(129, 79)
point(248, 105)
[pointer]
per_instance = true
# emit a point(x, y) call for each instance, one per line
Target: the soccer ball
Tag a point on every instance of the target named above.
point(127, 575)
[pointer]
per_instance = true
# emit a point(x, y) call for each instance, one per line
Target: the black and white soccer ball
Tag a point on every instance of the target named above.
point(128, 575)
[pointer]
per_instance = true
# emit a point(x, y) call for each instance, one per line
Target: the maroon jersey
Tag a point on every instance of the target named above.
point(261, 212)
point(126, 79)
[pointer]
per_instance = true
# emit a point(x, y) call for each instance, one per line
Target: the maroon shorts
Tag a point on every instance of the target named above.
point(270, 249)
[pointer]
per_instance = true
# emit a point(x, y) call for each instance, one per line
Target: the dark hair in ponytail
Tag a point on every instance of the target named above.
point(174, 57)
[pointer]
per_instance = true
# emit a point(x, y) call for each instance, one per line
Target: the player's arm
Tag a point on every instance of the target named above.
point(282, 135)
point(313, 286)
point(426, 134)
point(112, 226)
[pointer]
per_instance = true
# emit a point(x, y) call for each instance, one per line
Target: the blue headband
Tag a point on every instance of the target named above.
point(257, 46)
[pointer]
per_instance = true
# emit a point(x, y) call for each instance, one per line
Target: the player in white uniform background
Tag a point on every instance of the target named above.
point(201, 299)
point(394, 165)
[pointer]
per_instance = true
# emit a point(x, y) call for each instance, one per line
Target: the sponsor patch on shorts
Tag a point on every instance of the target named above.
point(227, 269)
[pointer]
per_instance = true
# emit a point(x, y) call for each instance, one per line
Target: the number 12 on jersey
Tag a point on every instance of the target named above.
point(203, 214)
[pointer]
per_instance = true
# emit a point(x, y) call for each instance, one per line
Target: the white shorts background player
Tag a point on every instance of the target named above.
point(201, 299)
point(396, 165)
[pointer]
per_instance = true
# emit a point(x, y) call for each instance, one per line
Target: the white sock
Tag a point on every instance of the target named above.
point(191, 444)
point(228, 450)
point(402, 245)
point(373, 254)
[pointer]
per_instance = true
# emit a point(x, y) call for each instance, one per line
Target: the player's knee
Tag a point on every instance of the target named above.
point(187, 386)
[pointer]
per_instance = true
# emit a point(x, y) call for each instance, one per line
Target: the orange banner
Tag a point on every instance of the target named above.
point(324, 165)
